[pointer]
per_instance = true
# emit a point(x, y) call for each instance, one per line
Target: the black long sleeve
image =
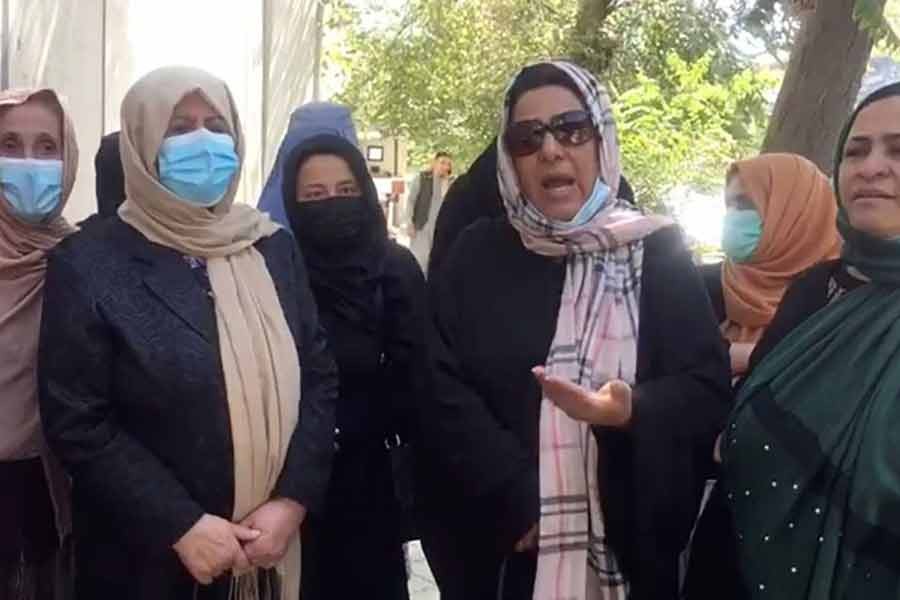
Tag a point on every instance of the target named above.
point(807, 294)
point(307, 468)
point(405, 326)
point(684, 374)
point(133, 487)
point(712, 279)
point(451, 221)
point(494, 306)
point(482, 458)
point(495, 310)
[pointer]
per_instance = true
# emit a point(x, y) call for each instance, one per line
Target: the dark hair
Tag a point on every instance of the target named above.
point(442, 154)
point(538, 76)
point(888, 91)
point(110, 180)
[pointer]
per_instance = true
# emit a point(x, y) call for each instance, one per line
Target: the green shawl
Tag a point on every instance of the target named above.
point(812, 448)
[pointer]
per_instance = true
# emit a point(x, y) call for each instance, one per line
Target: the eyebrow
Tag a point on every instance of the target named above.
point(347, 182)
point(865, 138)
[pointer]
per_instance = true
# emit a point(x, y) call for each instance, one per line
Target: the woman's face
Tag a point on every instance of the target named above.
point(735, 196)
point(325, 176)
point(869, 175)
point(31, 130)
point(194, 112)
point(557, 179)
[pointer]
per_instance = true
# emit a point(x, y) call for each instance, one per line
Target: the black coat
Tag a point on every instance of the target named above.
point(712, 278)
point(133, 401)
point(496, 305)
point(473, 195)
point(382, 364)
point(383, 373)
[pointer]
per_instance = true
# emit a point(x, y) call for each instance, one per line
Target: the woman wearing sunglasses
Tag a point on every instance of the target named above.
point(579, 374)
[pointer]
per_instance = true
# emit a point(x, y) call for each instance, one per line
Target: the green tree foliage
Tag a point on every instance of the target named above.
point(436, 72)
point(690, 131)
point(437, 75)
point(647, 32)
point(871, 15)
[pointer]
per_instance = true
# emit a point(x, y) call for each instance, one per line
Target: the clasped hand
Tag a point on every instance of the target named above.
point(215, 545)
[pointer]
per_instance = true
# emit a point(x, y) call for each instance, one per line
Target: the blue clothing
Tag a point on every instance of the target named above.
point(310, 120)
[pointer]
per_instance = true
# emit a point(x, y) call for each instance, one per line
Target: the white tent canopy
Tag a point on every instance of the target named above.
point(91, 51)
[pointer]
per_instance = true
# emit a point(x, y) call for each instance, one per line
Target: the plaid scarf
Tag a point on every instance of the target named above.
point(595, 341)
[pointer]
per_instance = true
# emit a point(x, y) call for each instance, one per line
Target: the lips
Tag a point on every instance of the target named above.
point(872, 194)
point(556, 182)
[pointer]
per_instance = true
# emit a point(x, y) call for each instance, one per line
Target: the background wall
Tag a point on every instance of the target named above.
point(92, 51)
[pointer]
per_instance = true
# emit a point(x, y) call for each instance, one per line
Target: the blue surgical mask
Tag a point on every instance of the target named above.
point(594, 204)
point(32, 187)
point(741, 231)
point(198, 166)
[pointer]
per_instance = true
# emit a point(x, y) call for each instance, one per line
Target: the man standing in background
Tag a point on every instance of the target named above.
point(423, 204)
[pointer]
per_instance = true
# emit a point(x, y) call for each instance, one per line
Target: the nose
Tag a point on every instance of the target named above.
point(551, 150)
point(874, 165)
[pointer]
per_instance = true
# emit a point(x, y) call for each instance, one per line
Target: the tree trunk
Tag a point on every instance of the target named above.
point(592, 14)
point(589, 46)
point(827, 64)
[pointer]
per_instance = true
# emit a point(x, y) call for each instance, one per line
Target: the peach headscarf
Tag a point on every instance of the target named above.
point(23, 262)
point(798, 209)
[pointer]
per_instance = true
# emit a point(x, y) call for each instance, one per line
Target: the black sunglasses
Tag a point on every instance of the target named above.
point(572, 128)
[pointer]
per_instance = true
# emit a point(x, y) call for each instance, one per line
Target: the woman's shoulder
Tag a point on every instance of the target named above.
point(488, 229)
point(820, 273)
point(482, 248)
point(402, 278)
point(711, 274)
point(400, 263)
point(280, 241)
point(486, 235)
point(809, 290)
point(666, 257)
point(666, 243)
point(103, 243)
point(808, 293)
point(280, 252)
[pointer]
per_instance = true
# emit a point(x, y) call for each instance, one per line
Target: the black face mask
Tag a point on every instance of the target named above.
point(336, 222)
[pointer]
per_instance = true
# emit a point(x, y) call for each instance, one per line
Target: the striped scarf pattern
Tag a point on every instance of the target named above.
point(595, 341)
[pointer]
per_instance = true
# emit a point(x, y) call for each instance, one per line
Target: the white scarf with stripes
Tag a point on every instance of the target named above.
point(595, 341)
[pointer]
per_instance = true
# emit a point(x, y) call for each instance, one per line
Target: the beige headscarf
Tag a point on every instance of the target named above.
point(23, 262)
point(259, 355)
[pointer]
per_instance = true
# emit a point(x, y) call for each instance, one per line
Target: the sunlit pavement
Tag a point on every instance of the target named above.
point(421, 582)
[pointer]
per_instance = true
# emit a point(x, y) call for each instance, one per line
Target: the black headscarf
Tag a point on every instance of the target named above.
point(110, 179)
point(343, 279)
point(472, 196)
point(876, 258)
point(887, 91)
